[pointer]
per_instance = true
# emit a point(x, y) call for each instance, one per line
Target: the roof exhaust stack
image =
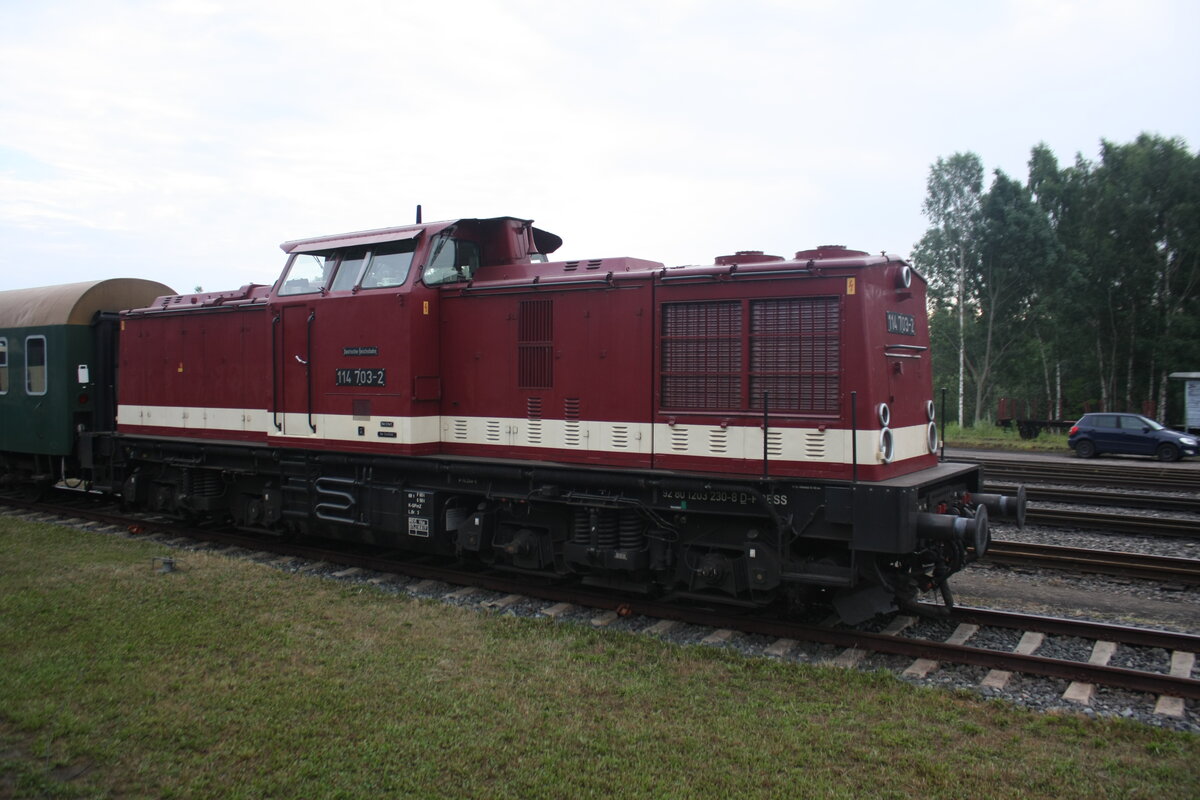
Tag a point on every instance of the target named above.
point(418, 213)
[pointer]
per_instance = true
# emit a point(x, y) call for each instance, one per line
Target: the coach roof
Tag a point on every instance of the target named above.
point(76, 303)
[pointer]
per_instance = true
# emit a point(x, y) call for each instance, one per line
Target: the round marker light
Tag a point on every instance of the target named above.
point(885, 414)
point(887, 446)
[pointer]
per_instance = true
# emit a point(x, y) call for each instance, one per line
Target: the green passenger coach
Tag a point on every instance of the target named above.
point(55, 343)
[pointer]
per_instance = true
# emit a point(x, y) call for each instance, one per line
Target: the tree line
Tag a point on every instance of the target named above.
point(1077, 290)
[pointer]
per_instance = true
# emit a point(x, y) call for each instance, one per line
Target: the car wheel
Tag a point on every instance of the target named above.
point(1085, 449)
point(1167, 452)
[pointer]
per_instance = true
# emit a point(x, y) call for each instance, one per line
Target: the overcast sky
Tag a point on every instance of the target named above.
point(183, 140)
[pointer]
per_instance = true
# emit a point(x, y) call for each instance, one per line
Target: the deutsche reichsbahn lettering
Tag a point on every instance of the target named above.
point(903, 324)
point(360, 377)
point(360, 351)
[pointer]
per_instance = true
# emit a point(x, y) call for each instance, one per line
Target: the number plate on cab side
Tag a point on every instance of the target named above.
point(360, 377)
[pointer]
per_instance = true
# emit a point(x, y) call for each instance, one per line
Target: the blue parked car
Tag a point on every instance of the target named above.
point(1128, 433)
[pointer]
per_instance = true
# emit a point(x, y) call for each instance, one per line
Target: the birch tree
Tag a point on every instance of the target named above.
point(948, 253)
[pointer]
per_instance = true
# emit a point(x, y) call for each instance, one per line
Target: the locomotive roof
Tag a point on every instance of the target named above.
point(547, 242)
point(75, 303)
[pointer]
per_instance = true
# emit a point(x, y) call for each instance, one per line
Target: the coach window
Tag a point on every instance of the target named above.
point(3, 366)
point(308, 273)
point(35, 365)
point(389, 265)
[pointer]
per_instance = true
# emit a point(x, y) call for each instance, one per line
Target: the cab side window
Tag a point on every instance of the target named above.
point(35, 365)
point(349, 268)
point(453, 260)
point(389, 265)
point(3, 366)
point(307, 273)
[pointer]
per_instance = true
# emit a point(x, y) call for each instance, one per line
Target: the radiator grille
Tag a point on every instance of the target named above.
point(794, 355)
point(535, 344)
point(702, 355)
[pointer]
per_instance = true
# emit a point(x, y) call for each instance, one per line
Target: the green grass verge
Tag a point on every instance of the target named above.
point(993, 437)
point(229, 679)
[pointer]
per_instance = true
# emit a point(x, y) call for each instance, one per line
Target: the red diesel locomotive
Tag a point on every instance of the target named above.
point(756, 430)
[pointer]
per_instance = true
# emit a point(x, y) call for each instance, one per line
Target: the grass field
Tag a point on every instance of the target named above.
point(230, 679)
point(993, 437)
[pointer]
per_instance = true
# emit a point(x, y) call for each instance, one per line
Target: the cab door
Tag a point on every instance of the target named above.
point(294, 370)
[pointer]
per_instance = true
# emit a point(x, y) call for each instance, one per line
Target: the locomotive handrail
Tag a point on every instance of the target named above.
point(728, 273)
point(274, 375)
point(312, 315)
point(549, 282)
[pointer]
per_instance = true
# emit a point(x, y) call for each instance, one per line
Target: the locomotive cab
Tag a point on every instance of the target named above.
point(357, 346)
point(433, 254)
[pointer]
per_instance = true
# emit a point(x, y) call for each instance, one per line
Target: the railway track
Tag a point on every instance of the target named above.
point(1102, 497)
point(854, 643)
point(1098, 562)
point(1143, 475)
point(1114, 523)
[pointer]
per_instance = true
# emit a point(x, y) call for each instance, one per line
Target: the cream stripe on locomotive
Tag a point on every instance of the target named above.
point(195, 418)
point(557, 434)
point(830, 446)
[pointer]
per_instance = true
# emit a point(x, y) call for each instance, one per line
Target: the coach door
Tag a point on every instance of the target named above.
point(294, 371)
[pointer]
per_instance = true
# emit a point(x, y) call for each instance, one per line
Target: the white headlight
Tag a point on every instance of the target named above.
point(1187, 440)
point(885, 414)
point(887, 446)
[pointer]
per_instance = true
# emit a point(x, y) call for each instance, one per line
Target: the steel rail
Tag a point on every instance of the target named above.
point(1101, 497)
point(1143, 476)
point(1099, 562)
point(1060, 626)
point(1114, 523)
